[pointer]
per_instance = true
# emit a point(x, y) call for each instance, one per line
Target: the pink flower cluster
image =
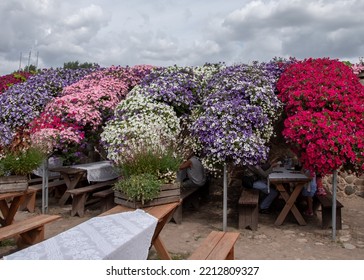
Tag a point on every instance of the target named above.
point(84, 106)
point(357, 68)
point(324, 103)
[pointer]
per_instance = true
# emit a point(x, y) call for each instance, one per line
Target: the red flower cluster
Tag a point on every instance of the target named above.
point(12, 79)
point(324, 103)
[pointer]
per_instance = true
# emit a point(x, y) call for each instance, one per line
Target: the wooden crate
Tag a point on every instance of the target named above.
point(169, 193)
point(13, 183)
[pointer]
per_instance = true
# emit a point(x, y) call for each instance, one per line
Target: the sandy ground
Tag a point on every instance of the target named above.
point(269, 242)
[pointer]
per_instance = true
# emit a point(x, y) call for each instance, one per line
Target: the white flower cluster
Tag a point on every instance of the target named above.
point(140, 124)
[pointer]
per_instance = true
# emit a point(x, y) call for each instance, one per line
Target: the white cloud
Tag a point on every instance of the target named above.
point(162, 32)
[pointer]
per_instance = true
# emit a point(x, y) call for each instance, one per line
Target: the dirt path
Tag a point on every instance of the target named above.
point(269, 242)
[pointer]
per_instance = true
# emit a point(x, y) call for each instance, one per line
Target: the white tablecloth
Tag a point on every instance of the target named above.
point(123, 236)
point(99, 171)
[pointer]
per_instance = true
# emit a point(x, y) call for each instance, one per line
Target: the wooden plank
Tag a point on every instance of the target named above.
point(169, 193)
point(224, 250)
point(56, 183)
point(26, 225)
point(91, 188)
point(326, 201)
point(249, 196)
point(104, 193)
point(217, 246)
point(206, 247)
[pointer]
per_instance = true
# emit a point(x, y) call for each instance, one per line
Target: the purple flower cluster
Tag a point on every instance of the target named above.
point(235, 121)
point(172, 85)
point(21, 103)
point(180, 87)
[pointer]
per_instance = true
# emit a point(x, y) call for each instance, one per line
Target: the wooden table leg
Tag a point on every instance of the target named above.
point(156, 240)
point(71, 184)
point(4, 208)
point(161, 249)
point(10, 211)
point(290, 200)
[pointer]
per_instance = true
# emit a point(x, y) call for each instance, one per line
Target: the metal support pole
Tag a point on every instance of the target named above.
point(334, 184)
point(45, 187)
point(224, 224)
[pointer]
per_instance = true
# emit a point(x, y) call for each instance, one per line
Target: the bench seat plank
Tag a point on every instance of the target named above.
point(217, 246)
point(31, 230)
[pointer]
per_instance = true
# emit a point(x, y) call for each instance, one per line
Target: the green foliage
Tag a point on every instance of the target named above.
point(141, 187)
point(21, 163)
point(347, 63)
point(152, 163)
point(76, 65)
point(30, 69)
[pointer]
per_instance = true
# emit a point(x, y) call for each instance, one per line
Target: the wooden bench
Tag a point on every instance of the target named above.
point(326, 211)
point(106, 199)
point(28, 231)
point(248, 207)
point(217, 246)
point(191, 196)
point(80, 196)
point(35, 187)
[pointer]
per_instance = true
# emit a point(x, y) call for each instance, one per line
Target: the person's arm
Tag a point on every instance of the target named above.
point(260, 172)
point(186, 164)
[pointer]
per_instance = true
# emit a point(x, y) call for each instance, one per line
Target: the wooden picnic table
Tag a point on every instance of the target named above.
point(289, 184)
point(100, 171)
point(163, 213)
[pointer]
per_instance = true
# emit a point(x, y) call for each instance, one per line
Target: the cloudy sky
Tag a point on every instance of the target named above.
point(182, 32)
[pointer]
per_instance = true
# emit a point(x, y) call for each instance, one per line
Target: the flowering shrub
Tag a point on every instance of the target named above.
point(235, 121)
point(76, 116)
point(180, 87)
point(21, 103)
point(12, 79)
point(140, 124)
point(324, 103)
point(53, 135)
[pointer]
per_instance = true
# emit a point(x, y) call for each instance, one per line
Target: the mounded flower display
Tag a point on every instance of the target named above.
point(139, 124)
point(227, 113)
point(75, 118)
point(236, 117)
point(324, 102)
point(23, 102)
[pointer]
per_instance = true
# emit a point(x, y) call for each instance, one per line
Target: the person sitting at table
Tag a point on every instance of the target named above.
point(191, 172)
point(256, 177)
point(308, 192)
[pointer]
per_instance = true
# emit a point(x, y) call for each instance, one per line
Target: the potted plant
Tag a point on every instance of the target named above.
point(15, 167)
point(148, 179)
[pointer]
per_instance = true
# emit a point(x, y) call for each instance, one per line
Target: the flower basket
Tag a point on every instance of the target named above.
point(169, 193)
point(13, 183)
